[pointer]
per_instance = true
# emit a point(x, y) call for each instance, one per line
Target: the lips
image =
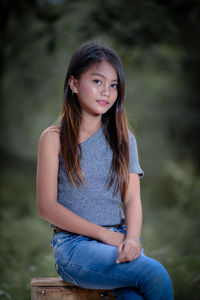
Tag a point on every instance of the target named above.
point(103, 102)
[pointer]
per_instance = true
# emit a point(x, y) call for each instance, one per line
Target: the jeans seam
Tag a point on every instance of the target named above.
point(66, 273)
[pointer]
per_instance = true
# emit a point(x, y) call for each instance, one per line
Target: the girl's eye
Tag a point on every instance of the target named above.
point(97, 81)
point(114, 85)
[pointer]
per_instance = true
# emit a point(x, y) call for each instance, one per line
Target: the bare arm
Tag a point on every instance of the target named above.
point(49, 208)
point(130, 248)
point(133, 208)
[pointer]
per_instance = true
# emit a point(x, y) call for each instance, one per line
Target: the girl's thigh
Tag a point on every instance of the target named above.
point(92, 264)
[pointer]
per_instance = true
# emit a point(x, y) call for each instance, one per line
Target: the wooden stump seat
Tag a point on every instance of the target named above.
point(54, 288)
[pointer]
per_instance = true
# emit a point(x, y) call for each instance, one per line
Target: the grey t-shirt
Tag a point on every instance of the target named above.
point(93, 201)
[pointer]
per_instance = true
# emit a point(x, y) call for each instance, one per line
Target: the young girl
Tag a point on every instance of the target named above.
point(87, 167)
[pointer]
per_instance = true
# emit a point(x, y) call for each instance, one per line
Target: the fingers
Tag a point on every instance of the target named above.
point(120, 253)
point(128, 251)
point(120, 248)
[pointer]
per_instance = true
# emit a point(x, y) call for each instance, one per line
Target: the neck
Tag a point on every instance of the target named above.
point(90, 124)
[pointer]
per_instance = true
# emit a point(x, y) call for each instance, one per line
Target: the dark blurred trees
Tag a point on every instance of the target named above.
point(21, 23)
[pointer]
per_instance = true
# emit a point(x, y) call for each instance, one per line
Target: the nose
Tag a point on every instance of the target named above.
point(105, 91)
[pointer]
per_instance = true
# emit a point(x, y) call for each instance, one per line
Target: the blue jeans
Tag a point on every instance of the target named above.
point(91, 264)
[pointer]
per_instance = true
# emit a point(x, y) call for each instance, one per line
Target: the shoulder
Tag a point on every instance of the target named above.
point(133, 145)
point(50, 138)
point(51, 130)
point(132, 139)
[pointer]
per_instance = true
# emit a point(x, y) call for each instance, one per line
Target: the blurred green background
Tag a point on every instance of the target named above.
point(159, 43)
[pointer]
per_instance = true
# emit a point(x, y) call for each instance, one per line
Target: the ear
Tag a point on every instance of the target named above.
point(73, 83)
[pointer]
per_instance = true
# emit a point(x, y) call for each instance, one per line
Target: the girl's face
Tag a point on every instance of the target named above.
point(96, 89)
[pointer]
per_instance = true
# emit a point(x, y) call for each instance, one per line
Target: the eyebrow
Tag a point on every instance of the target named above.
point(101, 75)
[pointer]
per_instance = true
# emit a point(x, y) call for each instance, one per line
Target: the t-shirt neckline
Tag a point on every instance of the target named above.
point(94, 137)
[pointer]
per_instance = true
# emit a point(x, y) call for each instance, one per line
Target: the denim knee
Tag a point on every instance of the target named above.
point(159, 283)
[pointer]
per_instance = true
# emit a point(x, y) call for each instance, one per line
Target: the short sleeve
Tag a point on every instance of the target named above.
point(134, 166)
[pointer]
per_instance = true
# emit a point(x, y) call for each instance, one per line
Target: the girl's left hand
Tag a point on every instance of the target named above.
point(128, 250)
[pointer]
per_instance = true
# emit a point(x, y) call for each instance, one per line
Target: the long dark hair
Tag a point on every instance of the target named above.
point(114, 121)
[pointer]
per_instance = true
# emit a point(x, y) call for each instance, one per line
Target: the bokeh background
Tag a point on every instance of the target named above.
point(159, 43)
